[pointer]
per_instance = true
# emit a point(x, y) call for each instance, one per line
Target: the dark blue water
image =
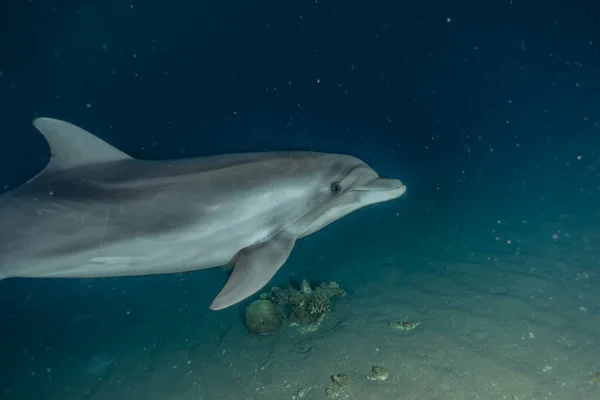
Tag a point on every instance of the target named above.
point(488, 111)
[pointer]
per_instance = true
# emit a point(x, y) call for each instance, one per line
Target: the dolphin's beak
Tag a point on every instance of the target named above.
point(382, 188)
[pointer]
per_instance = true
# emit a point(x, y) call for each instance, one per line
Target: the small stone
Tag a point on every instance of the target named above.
point(264, 317)
point(404, 326)
point(341, 379)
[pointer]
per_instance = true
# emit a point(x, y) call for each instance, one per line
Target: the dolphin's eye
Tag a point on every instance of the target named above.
point(335, 188)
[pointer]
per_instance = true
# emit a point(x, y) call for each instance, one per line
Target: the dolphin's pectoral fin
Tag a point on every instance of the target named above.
point(254, 268)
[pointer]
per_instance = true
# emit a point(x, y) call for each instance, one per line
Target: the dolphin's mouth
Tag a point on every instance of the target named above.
point(384, 189)
point(382, 184)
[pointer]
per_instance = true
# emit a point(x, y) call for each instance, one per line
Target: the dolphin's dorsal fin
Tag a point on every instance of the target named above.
point(71, 146)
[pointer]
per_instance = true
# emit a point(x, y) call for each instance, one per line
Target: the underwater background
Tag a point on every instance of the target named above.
point(489, 112)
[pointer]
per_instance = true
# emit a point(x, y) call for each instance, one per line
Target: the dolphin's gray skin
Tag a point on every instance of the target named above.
point(96, 212)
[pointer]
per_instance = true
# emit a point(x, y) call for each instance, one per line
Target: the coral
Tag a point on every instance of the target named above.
point(309, 305)
point(378, 373)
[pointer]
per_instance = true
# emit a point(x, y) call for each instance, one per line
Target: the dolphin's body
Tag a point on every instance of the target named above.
point(96, 212)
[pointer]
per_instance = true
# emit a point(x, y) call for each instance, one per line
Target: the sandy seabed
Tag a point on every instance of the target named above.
point(506, 310)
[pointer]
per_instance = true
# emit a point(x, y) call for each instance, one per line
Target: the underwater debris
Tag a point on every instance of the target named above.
point(308, 305)
point(302, 393)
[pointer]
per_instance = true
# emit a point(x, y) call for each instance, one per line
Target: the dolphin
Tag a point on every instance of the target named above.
point(95, 211)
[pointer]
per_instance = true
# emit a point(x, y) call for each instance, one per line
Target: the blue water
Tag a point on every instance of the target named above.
point(488, 111)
